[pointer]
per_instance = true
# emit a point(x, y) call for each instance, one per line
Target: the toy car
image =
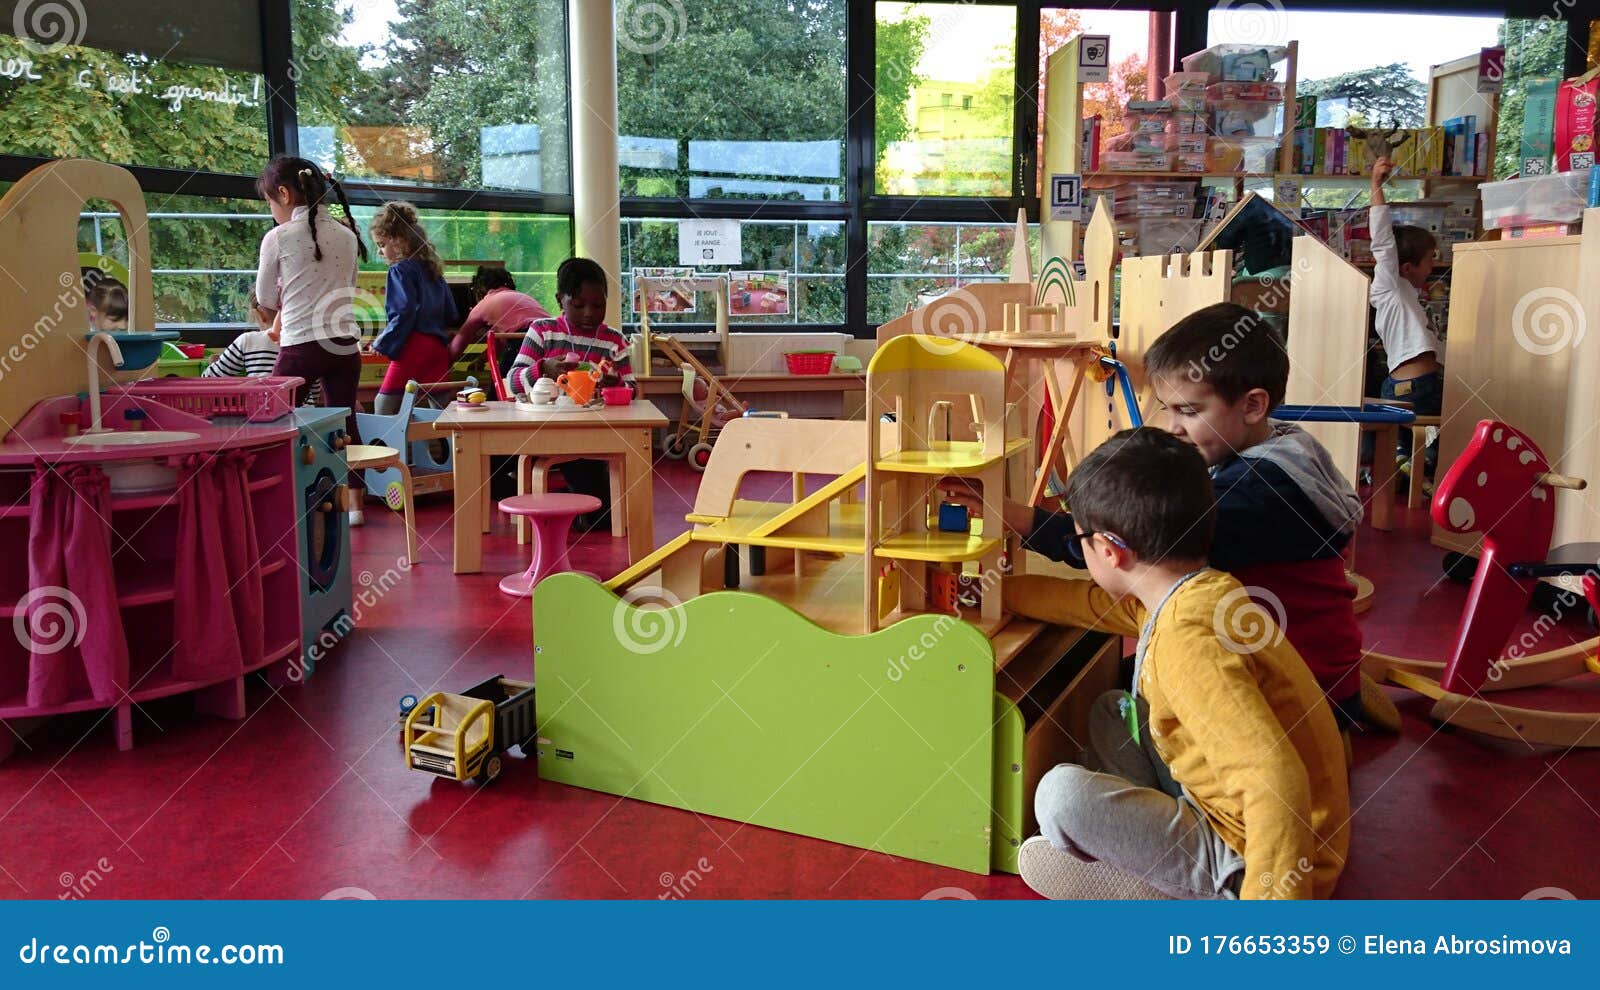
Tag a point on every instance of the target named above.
point(465, 735)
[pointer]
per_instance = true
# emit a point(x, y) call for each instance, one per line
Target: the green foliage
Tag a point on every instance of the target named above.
point(1533, 48)
point(1382, 96)
point(900, 47)
point(734, 70)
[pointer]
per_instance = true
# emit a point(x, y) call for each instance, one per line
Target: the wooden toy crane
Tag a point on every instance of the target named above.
point(1502, 486)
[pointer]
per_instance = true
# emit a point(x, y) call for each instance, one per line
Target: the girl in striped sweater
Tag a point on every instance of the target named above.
point(558, 345)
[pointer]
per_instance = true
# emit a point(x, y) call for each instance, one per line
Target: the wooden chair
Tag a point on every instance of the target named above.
point(366, 457)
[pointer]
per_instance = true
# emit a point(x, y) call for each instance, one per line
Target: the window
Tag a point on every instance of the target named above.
point(910, 263)
point(134, 84)
point(1129, 31)
point(927, 53)
point(808, 259)
point(730, 100)
point(531, 246)
point(460, 93)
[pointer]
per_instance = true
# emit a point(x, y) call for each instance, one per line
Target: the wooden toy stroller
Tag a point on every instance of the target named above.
point(708, 406)
point(1502, 485)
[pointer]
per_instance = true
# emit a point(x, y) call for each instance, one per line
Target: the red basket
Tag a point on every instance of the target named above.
point(809, 362)
point(258, 400)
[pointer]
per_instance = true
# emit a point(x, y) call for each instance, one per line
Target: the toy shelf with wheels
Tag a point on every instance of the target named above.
point(916, 732)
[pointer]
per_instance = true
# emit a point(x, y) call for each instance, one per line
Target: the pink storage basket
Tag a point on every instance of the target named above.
point(809, 362)
point(258, 400)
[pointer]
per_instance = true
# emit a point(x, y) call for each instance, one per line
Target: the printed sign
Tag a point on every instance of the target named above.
point(664, 297)
point(758, 293)
point(709, 242)
point(1286, 195)
point(1094, 58)
point(1491, 69)
point(1066, 198)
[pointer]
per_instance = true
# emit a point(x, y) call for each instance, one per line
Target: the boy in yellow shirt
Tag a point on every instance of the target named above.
point(1222, 774)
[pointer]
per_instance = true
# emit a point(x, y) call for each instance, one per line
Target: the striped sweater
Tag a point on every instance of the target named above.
point(252, 354)
point(557, 340)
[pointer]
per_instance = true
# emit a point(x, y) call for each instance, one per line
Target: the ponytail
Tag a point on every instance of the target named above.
point(311, 183)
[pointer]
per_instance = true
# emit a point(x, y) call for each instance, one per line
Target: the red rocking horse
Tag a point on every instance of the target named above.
point(1502, 486)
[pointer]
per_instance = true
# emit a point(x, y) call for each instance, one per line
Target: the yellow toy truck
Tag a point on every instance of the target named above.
point(465, 735)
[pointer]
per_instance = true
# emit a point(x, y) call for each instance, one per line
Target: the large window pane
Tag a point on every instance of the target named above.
point(811, 254)
point(466, 93)
point(132, 107)
point(739, 99)
point(946, 86)
point(1129, 31)
point(204, 251)
point(909, 264)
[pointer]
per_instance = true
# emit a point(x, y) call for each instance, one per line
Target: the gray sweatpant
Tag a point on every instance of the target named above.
point(1124, 809)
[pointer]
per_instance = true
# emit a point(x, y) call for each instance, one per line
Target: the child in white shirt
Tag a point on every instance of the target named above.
point(254, 353)
point(1403, 260)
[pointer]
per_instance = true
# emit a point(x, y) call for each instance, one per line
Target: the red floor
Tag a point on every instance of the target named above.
point(308, 796)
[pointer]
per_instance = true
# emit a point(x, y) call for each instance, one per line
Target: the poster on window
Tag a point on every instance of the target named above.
point(664, 297)
point(709, 242)
point(758, 293)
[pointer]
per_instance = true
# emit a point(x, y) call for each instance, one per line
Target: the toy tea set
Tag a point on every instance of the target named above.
point(571, 391)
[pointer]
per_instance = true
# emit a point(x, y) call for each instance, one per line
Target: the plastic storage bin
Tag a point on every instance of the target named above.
point(1245, 118)
point(1241, 154)
point(1237, 62)
point(1191, 161)
point(1556, 198)
point(1185, 83)
point(1136, 161)
point(1256, 92)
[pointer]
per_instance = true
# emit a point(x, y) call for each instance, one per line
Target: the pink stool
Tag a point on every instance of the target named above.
point(552, 517)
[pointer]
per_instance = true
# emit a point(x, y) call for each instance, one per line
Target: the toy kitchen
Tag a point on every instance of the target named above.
point(162, 536)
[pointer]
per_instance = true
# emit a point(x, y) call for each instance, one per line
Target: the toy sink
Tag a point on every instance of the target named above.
point(140, 348)
point(131, 437)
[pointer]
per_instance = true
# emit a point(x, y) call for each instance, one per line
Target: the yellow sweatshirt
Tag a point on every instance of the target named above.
point(1248, 734)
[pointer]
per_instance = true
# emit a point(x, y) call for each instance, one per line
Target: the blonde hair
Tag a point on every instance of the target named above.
point(397, 221)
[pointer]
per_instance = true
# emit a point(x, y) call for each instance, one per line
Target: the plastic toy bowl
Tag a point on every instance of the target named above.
point(617, 395)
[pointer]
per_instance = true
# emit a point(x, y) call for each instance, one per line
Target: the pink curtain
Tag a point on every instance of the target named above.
point(72, 625)
point(241, 553)
point(208, 641)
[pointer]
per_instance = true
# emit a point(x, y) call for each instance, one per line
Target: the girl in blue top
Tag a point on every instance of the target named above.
point(417, 303)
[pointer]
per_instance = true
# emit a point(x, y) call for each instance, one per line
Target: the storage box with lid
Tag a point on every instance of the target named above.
point(1136, 161)
point(1237, 62)
point(1241, 154)
point(1556, 198)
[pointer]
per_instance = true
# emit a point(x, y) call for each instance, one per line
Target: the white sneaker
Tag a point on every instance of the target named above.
point(1061, 876)
point(357, 518)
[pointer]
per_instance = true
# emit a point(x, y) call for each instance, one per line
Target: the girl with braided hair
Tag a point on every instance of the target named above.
point(307, 281)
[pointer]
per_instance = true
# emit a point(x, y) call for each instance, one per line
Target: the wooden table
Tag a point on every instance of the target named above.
point(505, 428)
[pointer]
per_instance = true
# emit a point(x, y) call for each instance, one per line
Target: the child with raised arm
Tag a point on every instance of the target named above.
point(1402, 259)
point(1220, 775)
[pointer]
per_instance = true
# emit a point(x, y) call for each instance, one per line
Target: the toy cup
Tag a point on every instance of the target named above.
point(617, 395)
point(579, 385)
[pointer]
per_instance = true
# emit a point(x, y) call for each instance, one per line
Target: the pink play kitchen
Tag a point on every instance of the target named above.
point(152, 530)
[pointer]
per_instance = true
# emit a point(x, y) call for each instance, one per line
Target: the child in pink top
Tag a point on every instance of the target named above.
point(500, 309)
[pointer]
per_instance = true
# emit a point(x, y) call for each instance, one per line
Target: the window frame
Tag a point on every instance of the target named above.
point(861, 204)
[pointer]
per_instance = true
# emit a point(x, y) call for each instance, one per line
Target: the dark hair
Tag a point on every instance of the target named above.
point(1413, 244)
point(575, 273)
point(110, 297)
point(1227, 346)
point(1149, 488)
point(491, 277)
point(397, 221)
point(310, 185)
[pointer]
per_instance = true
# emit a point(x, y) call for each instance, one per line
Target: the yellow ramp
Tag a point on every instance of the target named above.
point(821, 497)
